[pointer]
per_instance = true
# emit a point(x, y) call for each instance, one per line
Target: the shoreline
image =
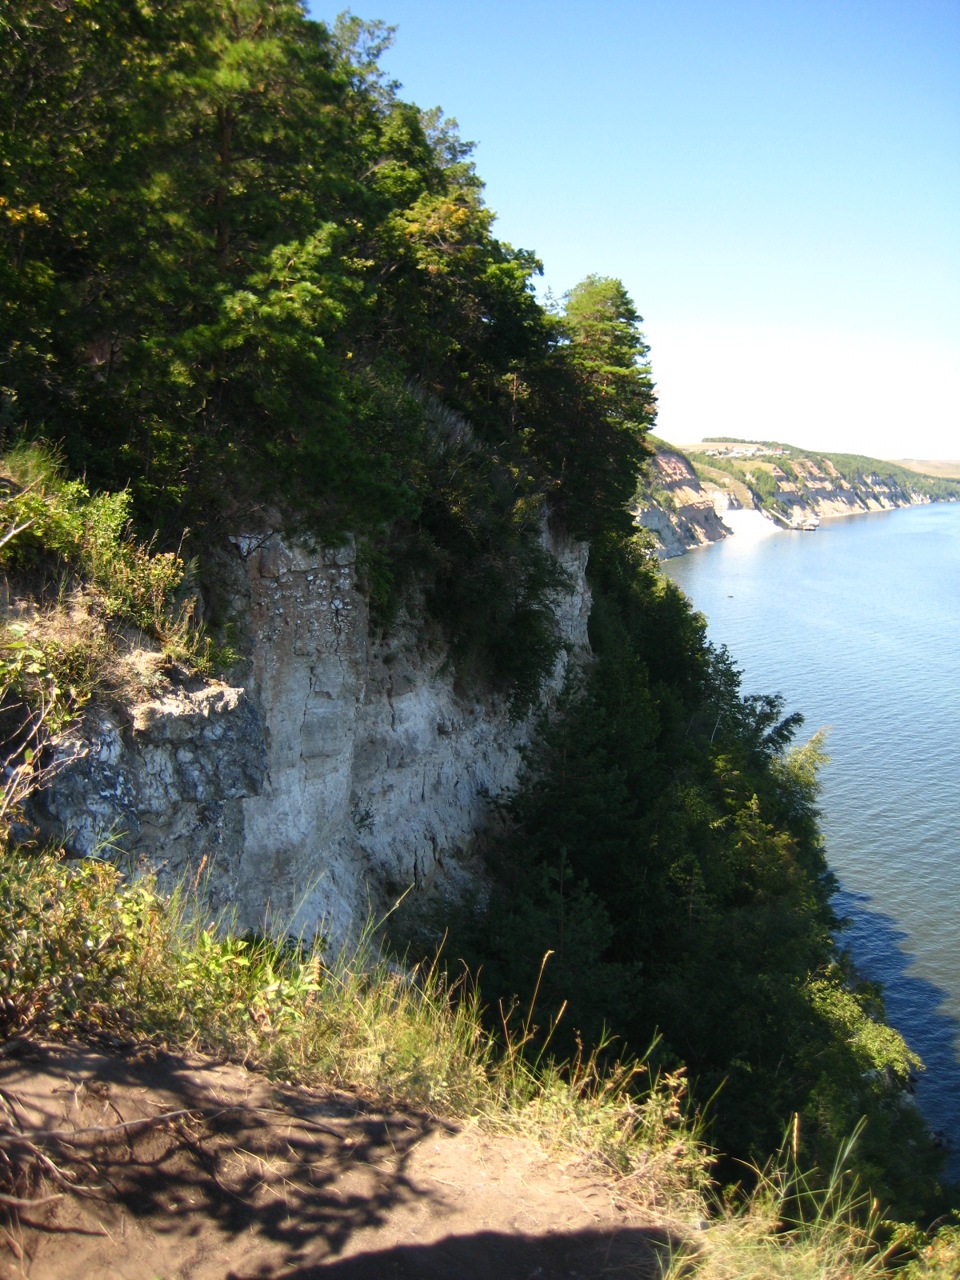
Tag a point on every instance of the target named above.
point(753, 524)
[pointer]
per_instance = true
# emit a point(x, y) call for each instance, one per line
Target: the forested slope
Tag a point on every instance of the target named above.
point(242, 277)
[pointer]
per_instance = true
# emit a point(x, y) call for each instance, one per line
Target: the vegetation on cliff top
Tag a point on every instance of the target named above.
point(756, 464)
point(244, 279)
point(242, 282)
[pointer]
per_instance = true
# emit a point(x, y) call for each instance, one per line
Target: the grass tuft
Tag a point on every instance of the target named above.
point(91, 951)
point(790, 1228)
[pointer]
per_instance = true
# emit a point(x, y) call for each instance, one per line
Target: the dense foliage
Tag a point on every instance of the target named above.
point(664, 848)
point(241, 276)
point(241, 282)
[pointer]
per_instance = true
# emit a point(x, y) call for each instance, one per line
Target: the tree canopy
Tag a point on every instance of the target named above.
point(226, 243)
point(243, 279)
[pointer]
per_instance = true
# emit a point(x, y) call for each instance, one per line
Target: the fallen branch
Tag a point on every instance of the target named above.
point(65, 1135)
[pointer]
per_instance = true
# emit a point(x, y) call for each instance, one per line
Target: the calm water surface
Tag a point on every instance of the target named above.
point(858, 625)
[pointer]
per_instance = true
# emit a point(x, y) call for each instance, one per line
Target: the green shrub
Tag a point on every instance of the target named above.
point(58, 524)
point(82, 543)
point(72, 941)
point(938, 1255)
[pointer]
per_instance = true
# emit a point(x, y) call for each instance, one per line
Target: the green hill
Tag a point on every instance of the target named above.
point(789, 482)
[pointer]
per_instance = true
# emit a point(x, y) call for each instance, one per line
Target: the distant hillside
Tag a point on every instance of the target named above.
point(793, 486)
point(681, 508)
point(950, 470)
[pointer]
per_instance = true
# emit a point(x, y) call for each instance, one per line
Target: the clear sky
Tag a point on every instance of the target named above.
point(776, 182)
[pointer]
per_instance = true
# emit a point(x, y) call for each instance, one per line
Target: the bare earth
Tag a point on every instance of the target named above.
point(254, 1181)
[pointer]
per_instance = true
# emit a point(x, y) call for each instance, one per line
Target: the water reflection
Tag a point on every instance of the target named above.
point(915, 1006)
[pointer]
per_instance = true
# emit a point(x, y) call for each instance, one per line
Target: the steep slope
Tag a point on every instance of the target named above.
point(339, 771)
point(680, 509)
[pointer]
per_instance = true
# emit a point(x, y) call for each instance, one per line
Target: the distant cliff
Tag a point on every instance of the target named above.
point(677, 508)
point(684, 496)
point(806, 488)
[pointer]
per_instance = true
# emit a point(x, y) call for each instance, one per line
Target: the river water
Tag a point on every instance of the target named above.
point(858, 626)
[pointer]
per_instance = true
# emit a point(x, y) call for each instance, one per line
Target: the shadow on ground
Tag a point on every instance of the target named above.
point(204, 1169)
point(631, 1253)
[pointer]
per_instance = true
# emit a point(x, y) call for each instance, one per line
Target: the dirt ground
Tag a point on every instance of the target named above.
point(252, 1181)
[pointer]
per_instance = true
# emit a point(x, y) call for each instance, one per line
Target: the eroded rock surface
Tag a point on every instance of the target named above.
point(685, 513)
point(337, 774)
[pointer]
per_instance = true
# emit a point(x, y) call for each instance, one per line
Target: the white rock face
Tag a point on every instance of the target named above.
point(342, 773)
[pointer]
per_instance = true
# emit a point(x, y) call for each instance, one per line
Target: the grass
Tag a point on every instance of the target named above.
point(87, 950)
point(789, 1230)
point(795, 1227)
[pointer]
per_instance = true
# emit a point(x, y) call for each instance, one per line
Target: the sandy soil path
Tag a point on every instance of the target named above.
point(253, 1181)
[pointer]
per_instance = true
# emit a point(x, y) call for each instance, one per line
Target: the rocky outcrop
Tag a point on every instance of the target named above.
point(677, 509)
point(818, 489)
point(337, 773)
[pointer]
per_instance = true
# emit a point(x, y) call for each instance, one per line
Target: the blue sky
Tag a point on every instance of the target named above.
point(777, 183)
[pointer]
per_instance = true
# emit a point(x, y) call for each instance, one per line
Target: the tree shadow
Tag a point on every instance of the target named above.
point(298, 1170)
point(630, 1254)
point(915, 1006)
point(267, 1179)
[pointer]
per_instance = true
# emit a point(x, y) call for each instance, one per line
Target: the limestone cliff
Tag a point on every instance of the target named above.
point(338, 771)
point(816, 488)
